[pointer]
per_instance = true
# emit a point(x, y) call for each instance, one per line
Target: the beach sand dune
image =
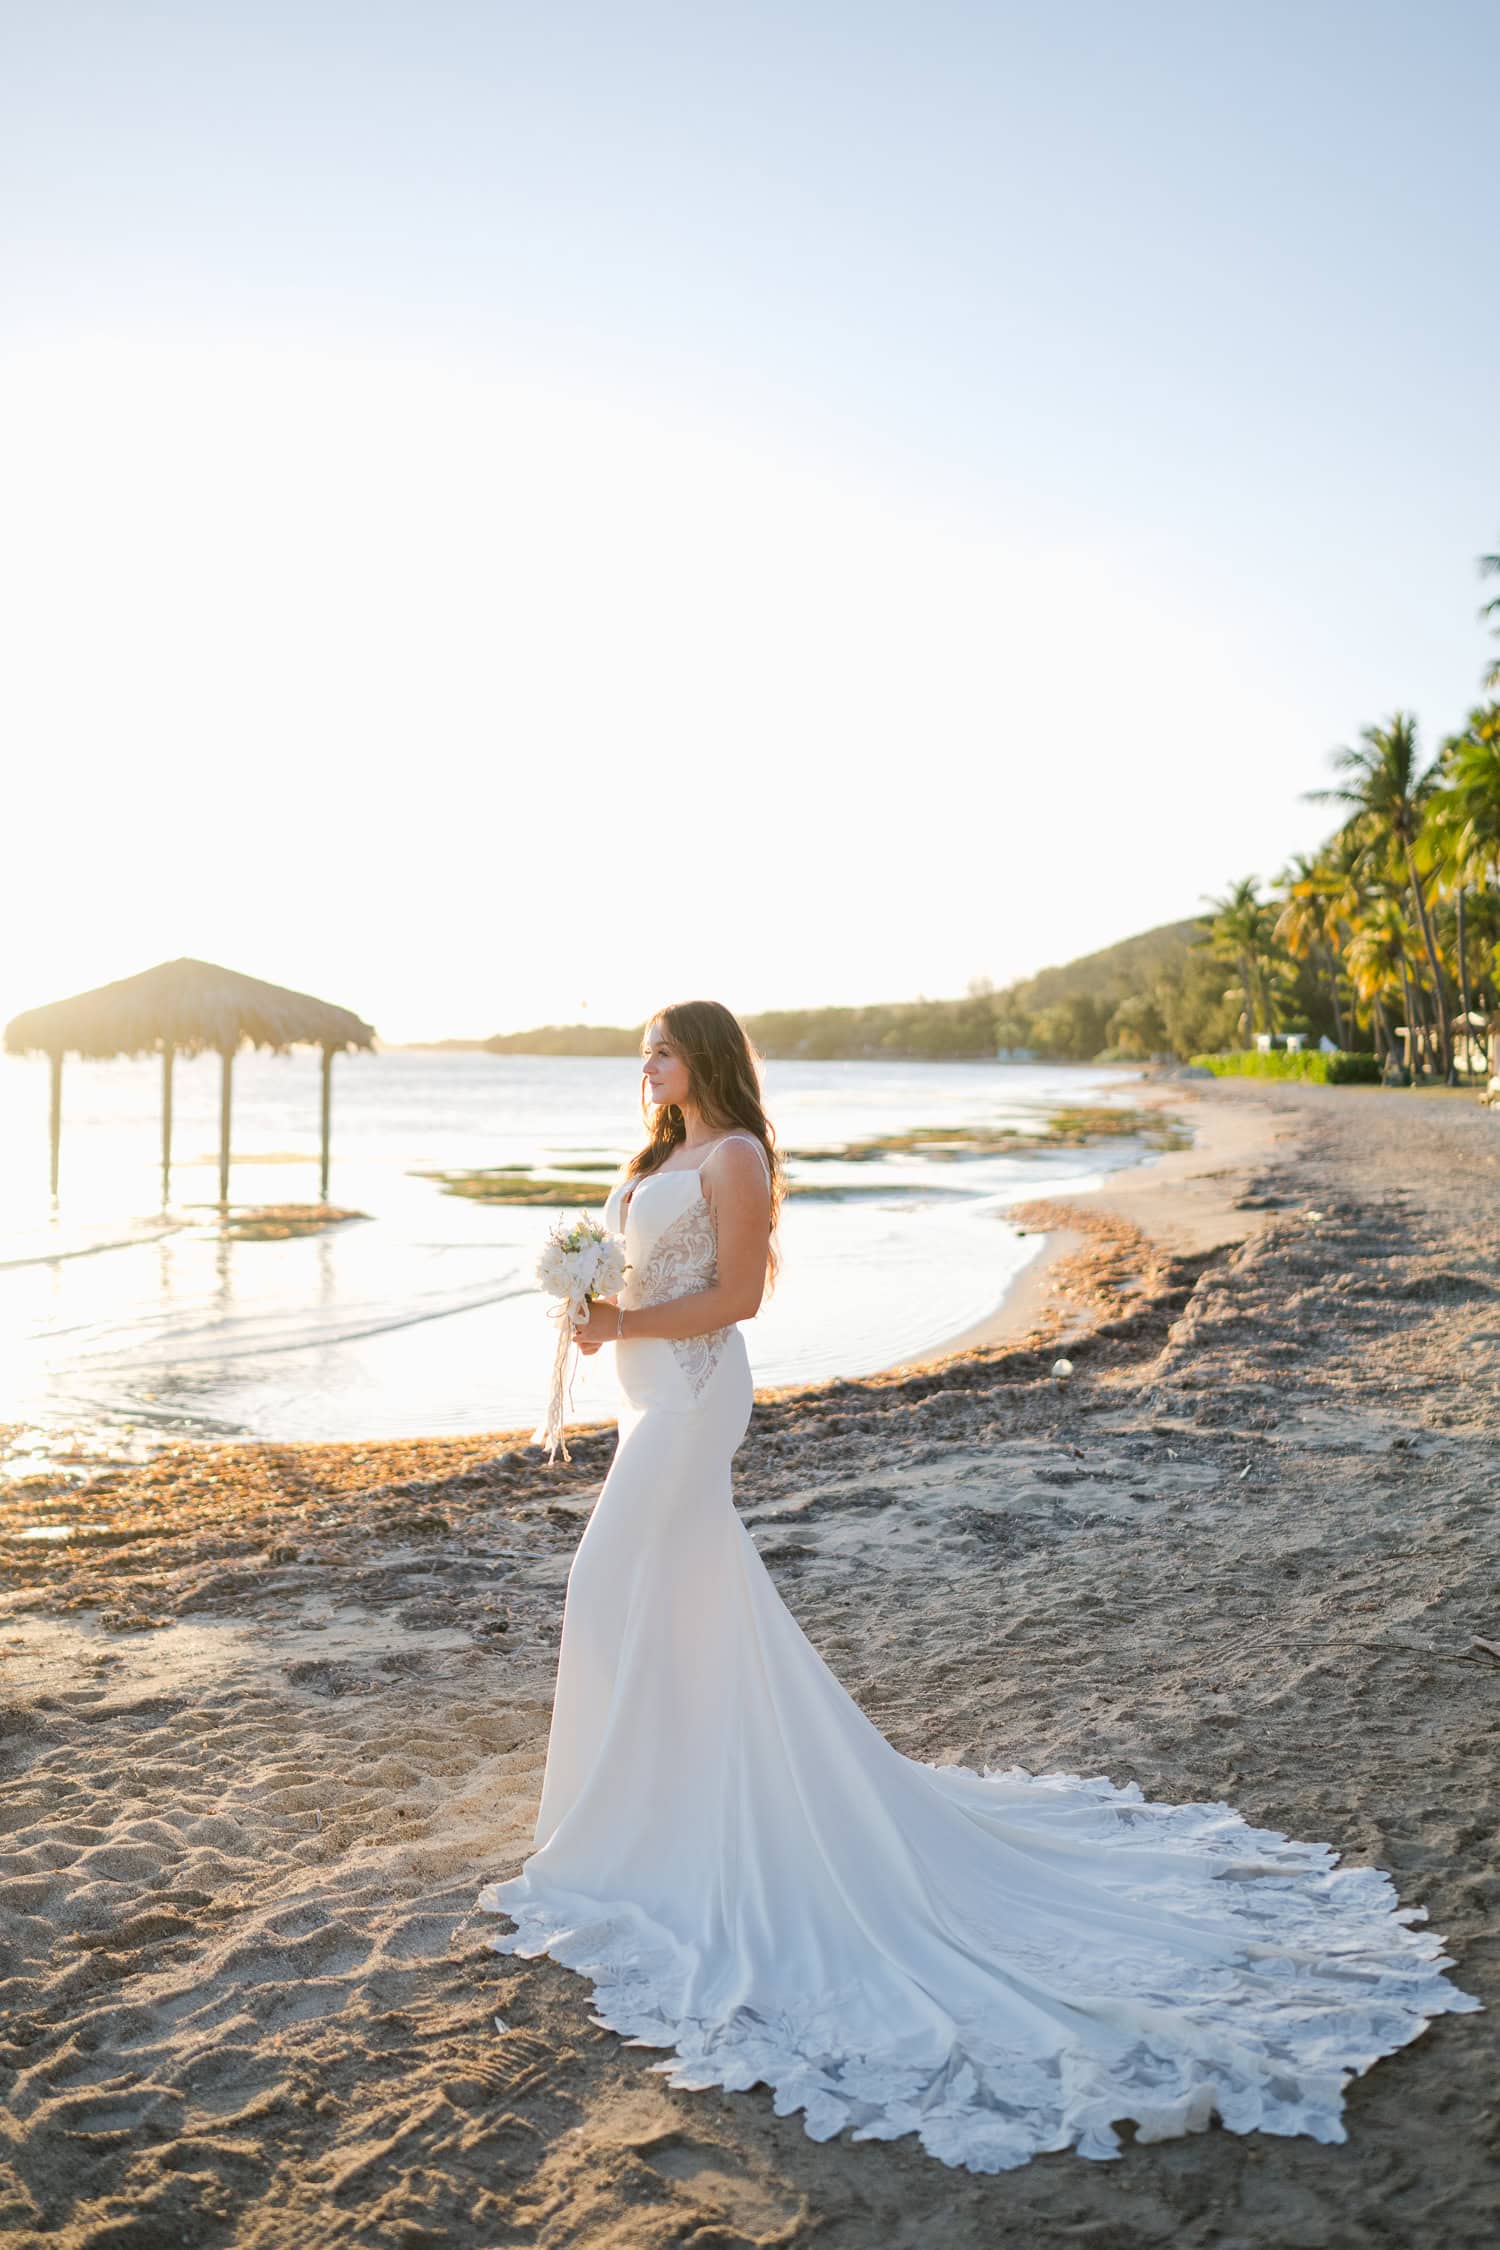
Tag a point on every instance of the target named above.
point(272, 1715)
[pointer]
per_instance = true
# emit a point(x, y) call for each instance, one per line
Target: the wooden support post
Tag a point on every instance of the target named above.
point(167, 1055)
point(226, 1093)
point(56, 1061)
point(327, 1121)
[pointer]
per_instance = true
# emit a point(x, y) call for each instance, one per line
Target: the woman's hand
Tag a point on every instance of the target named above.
point(600, 1327)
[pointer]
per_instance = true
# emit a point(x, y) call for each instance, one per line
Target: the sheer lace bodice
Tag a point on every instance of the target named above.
point(682, 1260)
point(671, 1243)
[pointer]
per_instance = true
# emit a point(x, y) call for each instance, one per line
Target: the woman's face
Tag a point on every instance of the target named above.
point(665, 1073)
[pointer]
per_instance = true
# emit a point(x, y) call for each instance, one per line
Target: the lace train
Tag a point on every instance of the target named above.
point(1266, 2039)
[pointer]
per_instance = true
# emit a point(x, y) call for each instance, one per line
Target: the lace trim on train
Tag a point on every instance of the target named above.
point(683, 1260)
point(1328, 1978)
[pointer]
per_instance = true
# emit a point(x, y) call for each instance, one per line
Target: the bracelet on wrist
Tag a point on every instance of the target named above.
point(619, 1324)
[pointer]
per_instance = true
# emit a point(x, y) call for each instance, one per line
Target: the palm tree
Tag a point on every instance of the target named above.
point(1482, 924)
point(1385, 789)
point(1464, 817)
point(1240, 933)
point(1378, 958)
point(1346, 871)
point(1469, 796)
point(1307, 925)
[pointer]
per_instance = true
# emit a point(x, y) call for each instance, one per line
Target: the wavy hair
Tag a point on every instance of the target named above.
point(724, 1074)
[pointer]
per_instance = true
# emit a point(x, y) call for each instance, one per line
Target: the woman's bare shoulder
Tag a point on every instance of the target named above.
point(738, 1159)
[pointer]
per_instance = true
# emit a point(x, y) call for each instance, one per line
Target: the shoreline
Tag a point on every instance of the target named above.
point(1182, 1202)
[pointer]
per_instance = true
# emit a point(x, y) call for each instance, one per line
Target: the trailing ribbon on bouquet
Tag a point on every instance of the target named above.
point(568, 1315)
point(577, 1264)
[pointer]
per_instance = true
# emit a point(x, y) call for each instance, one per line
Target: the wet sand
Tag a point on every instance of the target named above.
point(272, 1714)
point(1184, 1201)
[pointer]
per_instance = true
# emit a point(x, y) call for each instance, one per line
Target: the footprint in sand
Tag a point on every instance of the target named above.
point(757, 2208)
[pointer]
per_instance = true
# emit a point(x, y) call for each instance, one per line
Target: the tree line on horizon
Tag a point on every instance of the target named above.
point(1394, 920)
point(1066, 1012)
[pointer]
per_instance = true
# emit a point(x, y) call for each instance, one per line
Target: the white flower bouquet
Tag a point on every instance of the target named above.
point(577, 1264)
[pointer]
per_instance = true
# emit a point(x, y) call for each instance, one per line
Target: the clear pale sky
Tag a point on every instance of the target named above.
point(507, 509)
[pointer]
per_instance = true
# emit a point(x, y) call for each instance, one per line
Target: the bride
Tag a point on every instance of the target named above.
point(752, 1876)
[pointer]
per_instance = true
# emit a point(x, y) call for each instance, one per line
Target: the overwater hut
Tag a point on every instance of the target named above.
point(186, 1008)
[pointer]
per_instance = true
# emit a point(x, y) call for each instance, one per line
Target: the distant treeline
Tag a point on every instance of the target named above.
point(566, 1039)
point(1157, 993)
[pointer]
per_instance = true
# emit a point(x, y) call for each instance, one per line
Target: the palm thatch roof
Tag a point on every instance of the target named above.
point(192, 1006)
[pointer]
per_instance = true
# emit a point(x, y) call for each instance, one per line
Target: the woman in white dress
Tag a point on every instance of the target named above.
point(752, 1876)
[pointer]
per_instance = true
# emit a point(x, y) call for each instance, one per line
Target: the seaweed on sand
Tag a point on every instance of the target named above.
point(278, 1222)
point(501, 1186)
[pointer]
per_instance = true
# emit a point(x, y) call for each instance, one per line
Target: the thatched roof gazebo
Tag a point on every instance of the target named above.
point(190, 1008)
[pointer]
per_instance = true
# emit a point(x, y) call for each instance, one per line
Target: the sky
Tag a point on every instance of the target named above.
point(516, 514)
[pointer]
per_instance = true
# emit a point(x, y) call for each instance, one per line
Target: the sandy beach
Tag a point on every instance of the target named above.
point(271, 1715)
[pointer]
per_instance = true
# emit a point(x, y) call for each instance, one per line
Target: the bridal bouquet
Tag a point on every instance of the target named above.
point(577, 1264)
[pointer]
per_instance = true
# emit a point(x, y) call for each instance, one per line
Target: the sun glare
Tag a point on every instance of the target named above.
point(320, 660)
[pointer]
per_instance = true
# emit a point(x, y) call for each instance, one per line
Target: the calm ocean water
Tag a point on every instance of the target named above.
point(122, 1324)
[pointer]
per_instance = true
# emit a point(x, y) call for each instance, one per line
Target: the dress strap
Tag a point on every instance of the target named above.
point(754, 1143)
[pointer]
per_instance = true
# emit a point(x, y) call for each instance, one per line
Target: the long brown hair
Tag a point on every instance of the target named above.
point(724, 1075)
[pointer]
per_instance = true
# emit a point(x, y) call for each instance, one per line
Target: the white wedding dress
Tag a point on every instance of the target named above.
point(1000, 1963)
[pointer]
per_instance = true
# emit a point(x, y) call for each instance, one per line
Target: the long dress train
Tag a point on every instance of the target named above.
point(1000, 1963)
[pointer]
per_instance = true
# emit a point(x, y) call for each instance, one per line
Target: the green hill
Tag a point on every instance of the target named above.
point(1153, 993)
point(567, 1039)
point(1132, 965)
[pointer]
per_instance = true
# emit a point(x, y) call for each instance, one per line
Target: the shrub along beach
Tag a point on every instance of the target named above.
point(1306, 1063)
